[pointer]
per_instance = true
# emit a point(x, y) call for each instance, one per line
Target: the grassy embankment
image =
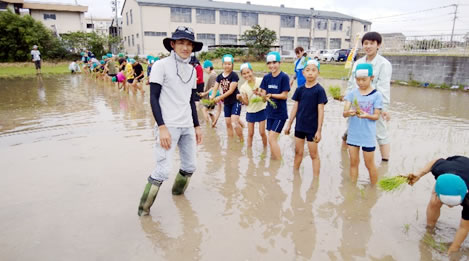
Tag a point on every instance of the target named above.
point(10, 70)
point(27, 69)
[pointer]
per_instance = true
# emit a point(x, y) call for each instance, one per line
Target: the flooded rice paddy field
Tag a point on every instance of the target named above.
point(75, 155)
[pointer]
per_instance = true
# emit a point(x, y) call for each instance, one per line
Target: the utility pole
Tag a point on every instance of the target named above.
point(114, 5)
point(454, 22)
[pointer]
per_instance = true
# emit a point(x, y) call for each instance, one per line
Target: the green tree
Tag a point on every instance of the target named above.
point(94, 42)
point(19, 33)
point(259, 40)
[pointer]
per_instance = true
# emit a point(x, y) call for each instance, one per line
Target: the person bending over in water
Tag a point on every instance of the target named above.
point(452, 181)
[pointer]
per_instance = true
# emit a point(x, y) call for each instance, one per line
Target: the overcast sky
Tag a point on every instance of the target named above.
point(419, 22)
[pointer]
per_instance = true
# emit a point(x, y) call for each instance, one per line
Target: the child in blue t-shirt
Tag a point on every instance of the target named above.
point(228, 82)
point(309, 112)
point(274, 88)
point(363, 105)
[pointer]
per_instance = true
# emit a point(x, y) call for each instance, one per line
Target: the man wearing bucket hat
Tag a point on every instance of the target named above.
point(452, 181)
point(172, 90)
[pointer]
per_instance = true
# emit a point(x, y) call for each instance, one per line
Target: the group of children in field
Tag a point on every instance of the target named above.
point(128, 74)
point(266, 104)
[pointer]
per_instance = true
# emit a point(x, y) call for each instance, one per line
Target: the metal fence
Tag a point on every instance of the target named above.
point(445, 44)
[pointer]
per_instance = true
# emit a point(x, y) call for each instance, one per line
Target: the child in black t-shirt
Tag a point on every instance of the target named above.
point(309, 111)
point(228, 82)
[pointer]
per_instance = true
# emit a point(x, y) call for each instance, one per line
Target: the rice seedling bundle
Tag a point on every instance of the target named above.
point(392, 183)
point(357, 106)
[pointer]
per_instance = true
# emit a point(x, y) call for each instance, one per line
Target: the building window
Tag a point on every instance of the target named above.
point(128, 41)
point(365, 28)
point(321, 24)
point(127, 18)
point(206, 39)
point(319, 43)
point(286, 43)
point(133, 40)
point(304, 22)
point(336, 25)
point(131, 17)
point(137, 36)
point(303, 42)
point(229, 17)
point(228, 39)
point(249, 19)
point(49, 16)
point(179, 14)
point(148, 33)
point(205, 16)
point(335, 43)
point(89, 26)
point(287, 21)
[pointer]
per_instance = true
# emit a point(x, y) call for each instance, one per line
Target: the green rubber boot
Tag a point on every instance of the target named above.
point(181, 182)
point(148, 197)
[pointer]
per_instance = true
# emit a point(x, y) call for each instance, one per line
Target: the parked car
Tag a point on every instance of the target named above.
point(327, 56)
point(314, 54)
point(341, 55)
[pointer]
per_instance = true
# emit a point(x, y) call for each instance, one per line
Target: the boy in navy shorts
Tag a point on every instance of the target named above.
point(275, 87)
point(309, 111)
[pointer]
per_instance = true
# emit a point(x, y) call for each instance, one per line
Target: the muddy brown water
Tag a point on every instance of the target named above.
point(75, 155)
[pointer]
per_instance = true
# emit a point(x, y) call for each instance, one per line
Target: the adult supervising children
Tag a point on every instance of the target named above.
point(254, 103)
point(382, 71)
point(36, 58)
point(172, 90)
point(275, 87)
point(300, 64)
point(309, 112)
point(452, 181)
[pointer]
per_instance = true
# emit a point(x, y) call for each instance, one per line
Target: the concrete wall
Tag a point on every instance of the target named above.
point(450, 70)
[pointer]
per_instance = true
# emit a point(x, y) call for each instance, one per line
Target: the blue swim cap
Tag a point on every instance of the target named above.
point(313, 62)
point(245, 66)
point(207, 64)
point(451, 189)
point(109, 55)
point(273, 57)
point(104, 57)
point(132, 61)
point(364, 70)
point(102, 62)
point(227, 58)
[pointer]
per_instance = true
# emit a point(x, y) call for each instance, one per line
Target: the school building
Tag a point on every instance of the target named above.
point(147, 22)
point(60, 18)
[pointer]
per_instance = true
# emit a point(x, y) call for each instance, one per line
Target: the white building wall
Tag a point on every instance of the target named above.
point(65, 22)
point(131, 27)
point(158, 19)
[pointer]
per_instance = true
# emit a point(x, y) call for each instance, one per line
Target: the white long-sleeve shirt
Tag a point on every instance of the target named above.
point(382, 72)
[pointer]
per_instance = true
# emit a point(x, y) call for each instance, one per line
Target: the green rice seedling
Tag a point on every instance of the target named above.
point(272, 103)
point(392, 183)
point(357, 106)
point(335, 92)
point(406, 228)
point(431, 242)
point(256, 99)
point(262, 156)
point(207, 102)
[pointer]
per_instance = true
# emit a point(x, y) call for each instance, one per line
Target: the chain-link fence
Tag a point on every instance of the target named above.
point(445, 44)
